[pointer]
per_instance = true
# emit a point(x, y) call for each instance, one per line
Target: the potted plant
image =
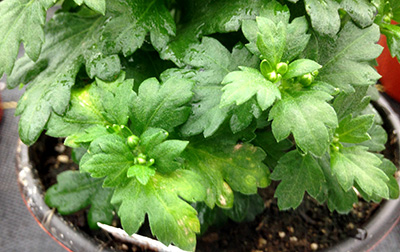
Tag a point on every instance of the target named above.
point(173, 107)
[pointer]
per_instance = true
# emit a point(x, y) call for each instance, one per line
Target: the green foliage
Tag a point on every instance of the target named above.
point(299, 173)
point(180, 110)
point(308, 116)
point(75, 191)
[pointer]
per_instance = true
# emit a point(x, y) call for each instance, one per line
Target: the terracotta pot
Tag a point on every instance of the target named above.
point(389, 68)
point(379, 226)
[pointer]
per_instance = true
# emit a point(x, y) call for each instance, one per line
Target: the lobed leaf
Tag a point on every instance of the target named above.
point(75, 191)
point(161, 106)
point(356, 164)
point(240, 86)
point(162, 199)
point(21, 21)
point(226, 166)
point(308, 116)
point(355, 130)
point(298, 174)
point(346, 61)
point(53, 75)
point(98, 104)
point(131, 22)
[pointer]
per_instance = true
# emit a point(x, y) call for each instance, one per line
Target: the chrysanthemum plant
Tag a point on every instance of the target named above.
point(180, 107)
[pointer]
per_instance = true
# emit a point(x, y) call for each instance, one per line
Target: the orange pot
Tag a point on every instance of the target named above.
point(389, 68)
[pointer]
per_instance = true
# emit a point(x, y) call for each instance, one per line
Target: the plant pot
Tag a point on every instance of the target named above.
point(389, 68)
point(379, 226)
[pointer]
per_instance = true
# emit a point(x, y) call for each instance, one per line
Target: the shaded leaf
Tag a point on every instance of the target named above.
point(75, 191)
point(298, 174)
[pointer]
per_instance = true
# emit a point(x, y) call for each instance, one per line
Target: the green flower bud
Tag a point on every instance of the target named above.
point(282, 68)
point(133, 141)
point(306, 79)
point(265, 68)
point(272, 76)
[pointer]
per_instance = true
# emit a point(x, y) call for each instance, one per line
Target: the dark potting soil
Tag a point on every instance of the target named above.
point(310, 227)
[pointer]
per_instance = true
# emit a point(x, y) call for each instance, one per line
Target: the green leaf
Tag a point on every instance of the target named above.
point(350, 103)
point(346, 60)
point(21, 21)
point(308, 116)
point(392, 33)
point(296, 39)
point(390, 169)
point(337, 199)
point(271, 40)
point(166, 154)
point(356, 164)
point(225, 166)
point(108, 156)
point(299, 173)
point(355, 130)
point(143, 65)
point(162, 199)
point(86, 136)
point(292, 37)
point(361, 11)
point(206, 115)
point(100, 103)
point(203, 19)
point(97, 5)
point(240, 86)
point(131, 22)
point(141, 172)
point(324, 16)
point(245, 207)
point(378, 138)
point(274, 150)
point(210, 63)
point(161, 106)
point(75, 191)
point(53, 75)
point(300, 67)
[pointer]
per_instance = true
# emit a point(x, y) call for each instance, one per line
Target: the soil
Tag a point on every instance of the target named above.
point(310, 227)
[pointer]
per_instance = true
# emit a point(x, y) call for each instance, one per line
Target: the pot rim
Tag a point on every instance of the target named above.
point(70, 238)
point(32, 192)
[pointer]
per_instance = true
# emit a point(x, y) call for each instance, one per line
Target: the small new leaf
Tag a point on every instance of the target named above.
point(308, 116)
point(271, 40)
point(355, 130)
point(299, 173)
point(240, 86)
point(300, 67)
point(75, 191)
point(356, 164)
